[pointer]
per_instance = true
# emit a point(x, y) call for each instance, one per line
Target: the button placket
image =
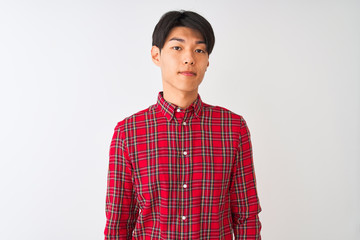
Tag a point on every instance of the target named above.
point(184, 129)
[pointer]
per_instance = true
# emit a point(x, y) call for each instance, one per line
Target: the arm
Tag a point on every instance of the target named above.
point(121, 207)
point(245, 205)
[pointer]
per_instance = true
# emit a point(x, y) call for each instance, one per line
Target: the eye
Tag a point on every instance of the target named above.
point(199, 51)
point(176, 48)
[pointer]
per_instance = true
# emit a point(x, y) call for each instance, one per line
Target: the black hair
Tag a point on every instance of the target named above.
point(183, 19)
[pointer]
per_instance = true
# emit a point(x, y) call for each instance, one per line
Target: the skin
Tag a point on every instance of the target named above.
point(183, 61)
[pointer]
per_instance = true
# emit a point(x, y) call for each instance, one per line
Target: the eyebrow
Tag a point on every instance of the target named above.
point(182, 40)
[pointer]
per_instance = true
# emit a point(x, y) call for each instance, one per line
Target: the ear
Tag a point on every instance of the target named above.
point(155, 55)
point(207, 66)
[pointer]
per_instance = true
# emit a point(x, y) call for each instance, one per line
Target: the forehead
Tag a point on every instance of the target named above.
point(185, 33)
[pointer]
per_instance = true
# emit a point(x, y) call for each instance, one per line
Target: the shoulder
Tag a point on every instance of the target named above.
point(223, 113)
point(135, 118)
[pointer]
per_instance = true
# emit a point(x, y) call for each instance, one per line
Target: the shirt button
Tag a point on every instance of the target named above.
point(178, 110)
point(183, 217)
point(185, 152)
point(184, 123)
point(184, 186)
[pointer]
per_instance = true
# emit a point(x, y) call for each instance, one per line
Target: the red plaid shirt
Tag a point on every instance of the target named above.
point(182, 174)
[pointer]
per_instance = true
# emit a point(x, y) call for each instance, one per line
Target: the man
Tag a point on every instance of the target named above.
point(182, 169)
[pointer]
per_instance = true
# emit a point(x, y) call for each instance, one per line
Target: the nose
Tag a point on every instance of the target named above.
point(189, 59)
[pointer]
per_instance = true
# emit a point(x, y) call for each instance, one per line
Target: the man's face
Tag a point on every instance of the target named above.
point(183, 59)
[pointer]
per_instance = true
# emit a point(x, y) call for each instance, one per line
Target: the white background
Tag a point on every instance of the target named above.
point(70, 70)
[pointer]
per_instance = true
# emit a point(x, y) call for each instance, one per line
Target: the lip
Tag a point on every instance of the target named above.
point(188, 73)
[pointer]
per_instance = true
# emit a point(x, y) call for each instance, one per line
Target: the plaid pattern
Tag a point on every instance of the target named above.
point(182, 174)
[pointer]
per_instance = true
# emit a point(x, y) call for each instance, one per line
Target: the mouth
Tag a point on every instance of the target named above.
point(188, 73)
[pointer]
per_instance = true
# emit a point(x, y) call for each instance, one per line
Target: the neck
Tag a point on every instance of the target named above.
point(180, 98)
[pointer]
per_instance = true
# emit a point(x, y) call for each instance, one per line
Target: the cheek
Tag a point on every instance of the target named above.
point(168, 63)
point(203, 68)
point(203, 63)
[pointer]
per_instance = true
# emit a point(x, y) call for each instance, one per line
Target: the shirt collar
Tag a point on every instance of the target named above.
point(168, 109)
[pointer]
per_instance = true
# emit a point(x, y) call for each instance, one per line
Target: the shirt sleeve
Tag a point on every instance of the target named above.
point(245, 205)
point(121, 205)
